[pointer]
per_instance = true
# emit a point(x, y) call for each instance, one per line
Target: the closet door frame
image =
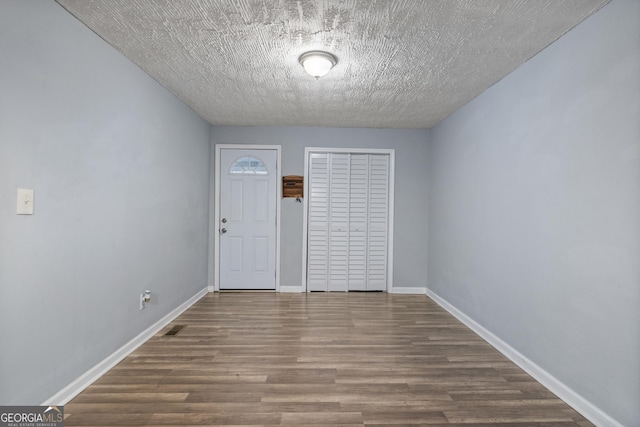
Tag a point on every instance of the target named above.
point(324, 150)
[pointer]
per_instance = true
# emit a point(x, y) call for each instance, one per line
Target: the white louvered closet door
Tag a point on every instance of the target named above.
point(378, 222)
point(358, 218)
point(347, 222)
point(338, 222)
point(318, 222)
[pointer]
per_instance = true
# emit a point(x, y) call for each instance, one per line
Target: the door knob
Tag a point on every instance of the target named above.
point(223, 230)
point(224, 220)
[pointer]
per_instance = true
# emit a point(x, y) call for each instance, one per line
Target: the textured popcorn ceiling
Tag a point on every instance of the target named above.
point(403, 63)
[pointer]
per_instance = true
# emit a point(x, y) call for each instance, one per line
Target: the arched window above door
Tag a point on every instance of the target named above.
point(248, 165)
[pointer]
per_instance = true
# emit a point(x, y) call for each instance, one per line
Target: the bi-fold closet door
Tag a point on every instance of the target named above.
point(348, 221)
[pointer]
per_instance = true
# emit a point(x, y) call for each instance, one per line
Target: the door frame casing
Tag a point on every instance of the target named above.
point(216, 219)
point(392, 172)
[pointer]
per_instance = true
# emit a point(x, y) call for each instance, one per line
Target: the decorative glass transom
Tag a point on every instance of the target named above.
point(248, 165)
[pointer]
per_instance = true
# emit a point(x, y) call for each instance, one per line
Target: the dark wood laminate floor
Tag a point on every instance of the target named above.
point(319, 359)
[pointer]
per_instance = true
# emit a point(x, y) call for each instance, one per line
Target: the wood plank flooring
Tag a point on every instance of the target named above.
point(319, 359)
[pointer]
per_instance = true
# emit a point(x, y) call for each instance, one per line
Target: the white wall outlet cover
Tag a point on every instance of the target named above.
point(25, 202)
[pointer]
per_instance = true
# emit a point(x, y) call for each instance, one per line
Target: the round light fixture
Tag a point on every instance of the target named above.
point(317, 63)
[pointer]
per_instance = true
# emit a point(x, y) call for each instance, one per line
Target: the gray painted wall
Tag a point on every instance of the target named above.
point(410, 228)
point(535, 210)
point(120, 171)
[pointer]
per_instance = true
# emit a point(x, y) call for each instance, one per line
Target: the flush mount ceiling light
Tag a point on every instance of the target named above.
point(317, 63)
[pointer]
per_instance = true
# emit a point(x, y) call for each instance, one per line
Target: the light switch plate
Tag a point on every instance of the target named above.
point(25, 201)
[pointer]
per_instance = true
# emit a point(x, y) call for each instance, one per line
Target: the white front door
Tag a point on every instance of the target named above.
point(247, 223)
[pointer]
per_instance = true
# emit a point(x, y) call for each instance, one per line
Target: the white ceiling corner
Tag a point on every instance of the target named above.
point(402, 63)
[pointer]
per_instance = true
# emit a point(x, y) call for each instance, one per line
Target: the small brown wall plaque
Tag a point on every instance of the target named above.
point(292, 186)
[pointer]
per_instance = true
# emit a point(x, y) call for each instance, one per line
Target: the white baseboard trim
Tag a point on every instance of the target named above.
point(70, 391)
point(573, 399)
point(210, 288)
point(409, 291)
point(290, 289)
